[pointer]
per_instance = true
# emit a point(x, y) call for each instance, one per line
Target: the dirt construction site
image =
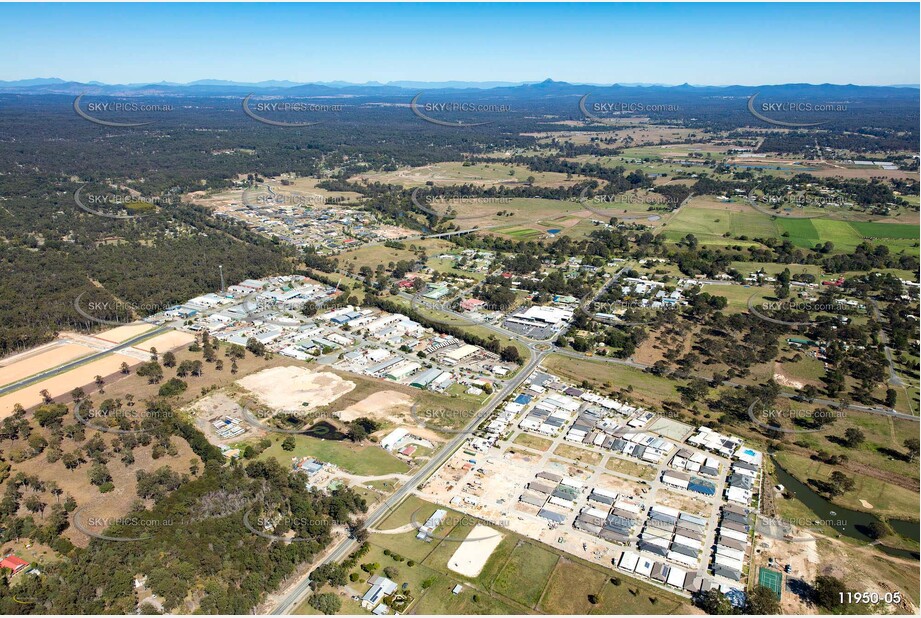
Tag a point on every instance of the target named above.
point(70, 348)
point(489, 489)
point(302, 387)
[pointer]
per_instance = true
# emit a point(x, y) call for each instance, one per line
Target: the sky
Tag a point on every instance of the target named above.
point(701, 44)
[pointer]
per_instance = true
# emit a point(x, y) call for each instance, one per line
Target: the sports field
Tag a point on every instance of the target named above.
point(771, 579)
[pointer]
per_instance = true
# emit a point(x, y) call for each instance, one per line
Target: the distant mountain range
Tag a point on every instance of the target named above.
point(546, 88)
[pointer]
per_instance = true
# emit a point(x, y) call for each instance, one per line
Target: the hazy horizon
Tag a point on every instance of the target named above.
point(671, 44)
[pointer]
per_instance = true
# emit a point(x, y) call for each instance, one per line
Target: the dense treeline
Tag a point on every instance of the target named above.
point(200, 553)
point(119, 269)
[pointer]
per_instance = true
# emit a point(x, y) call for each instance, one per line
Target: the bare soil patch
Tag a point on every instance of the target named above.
point(289, 387)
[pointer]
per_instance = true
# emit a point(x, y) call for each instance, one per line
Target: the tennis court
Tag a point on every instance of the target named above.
point(770, 579)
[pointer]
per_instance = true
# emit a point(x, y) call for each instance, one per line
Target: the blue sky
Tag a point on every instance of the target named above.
point(715, 44)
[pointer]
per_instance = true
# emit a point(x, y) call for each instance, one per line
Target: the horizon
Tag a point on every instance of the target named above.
point(591, 44)
point(405, 83)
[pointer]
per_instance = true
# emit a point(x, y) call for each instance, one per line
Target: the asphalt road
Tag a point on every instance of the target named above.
point(9, 388)
point(295, 596)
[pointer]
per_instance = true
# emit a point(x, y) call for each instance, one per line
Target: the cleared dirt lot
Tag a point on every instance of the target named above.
point(123, 333)
point(62, 384)
point(475, 550)
point(287, 388)
point(35, 361)
point(167, 341)
point(483, 174)
point(388, 405)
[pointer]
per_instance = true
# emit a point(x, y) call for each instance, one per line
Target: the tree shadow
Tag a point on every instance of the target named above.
point(890, 452)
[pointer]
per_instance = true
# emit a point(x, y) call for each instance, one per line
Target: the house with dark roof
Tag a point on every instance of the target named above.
point(733, 516)
point(552, 516)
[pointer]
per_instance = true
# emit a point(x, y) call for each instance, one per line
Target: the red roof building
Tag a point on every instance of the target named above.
point(471, 304)
point(13, 563)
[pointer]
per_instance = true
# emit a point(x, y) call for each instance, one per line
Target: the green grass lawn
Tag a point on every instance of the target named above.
point(446, 265)
point(886, 230)
point(440, 599)
point(709, 220)
point(887, 499)
point(369, 459)
point(630, 468)
point(772, 268)
point(519, 233)
point(635, 598)
point(526, 573)
point(538, 444)
point(737, 295)
point(385, 485)
point(806, 368)
point(569, 588)
point(519, 575)
point(578, 454)
point(612, 377)
point(846, 235)
point(413, 575)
